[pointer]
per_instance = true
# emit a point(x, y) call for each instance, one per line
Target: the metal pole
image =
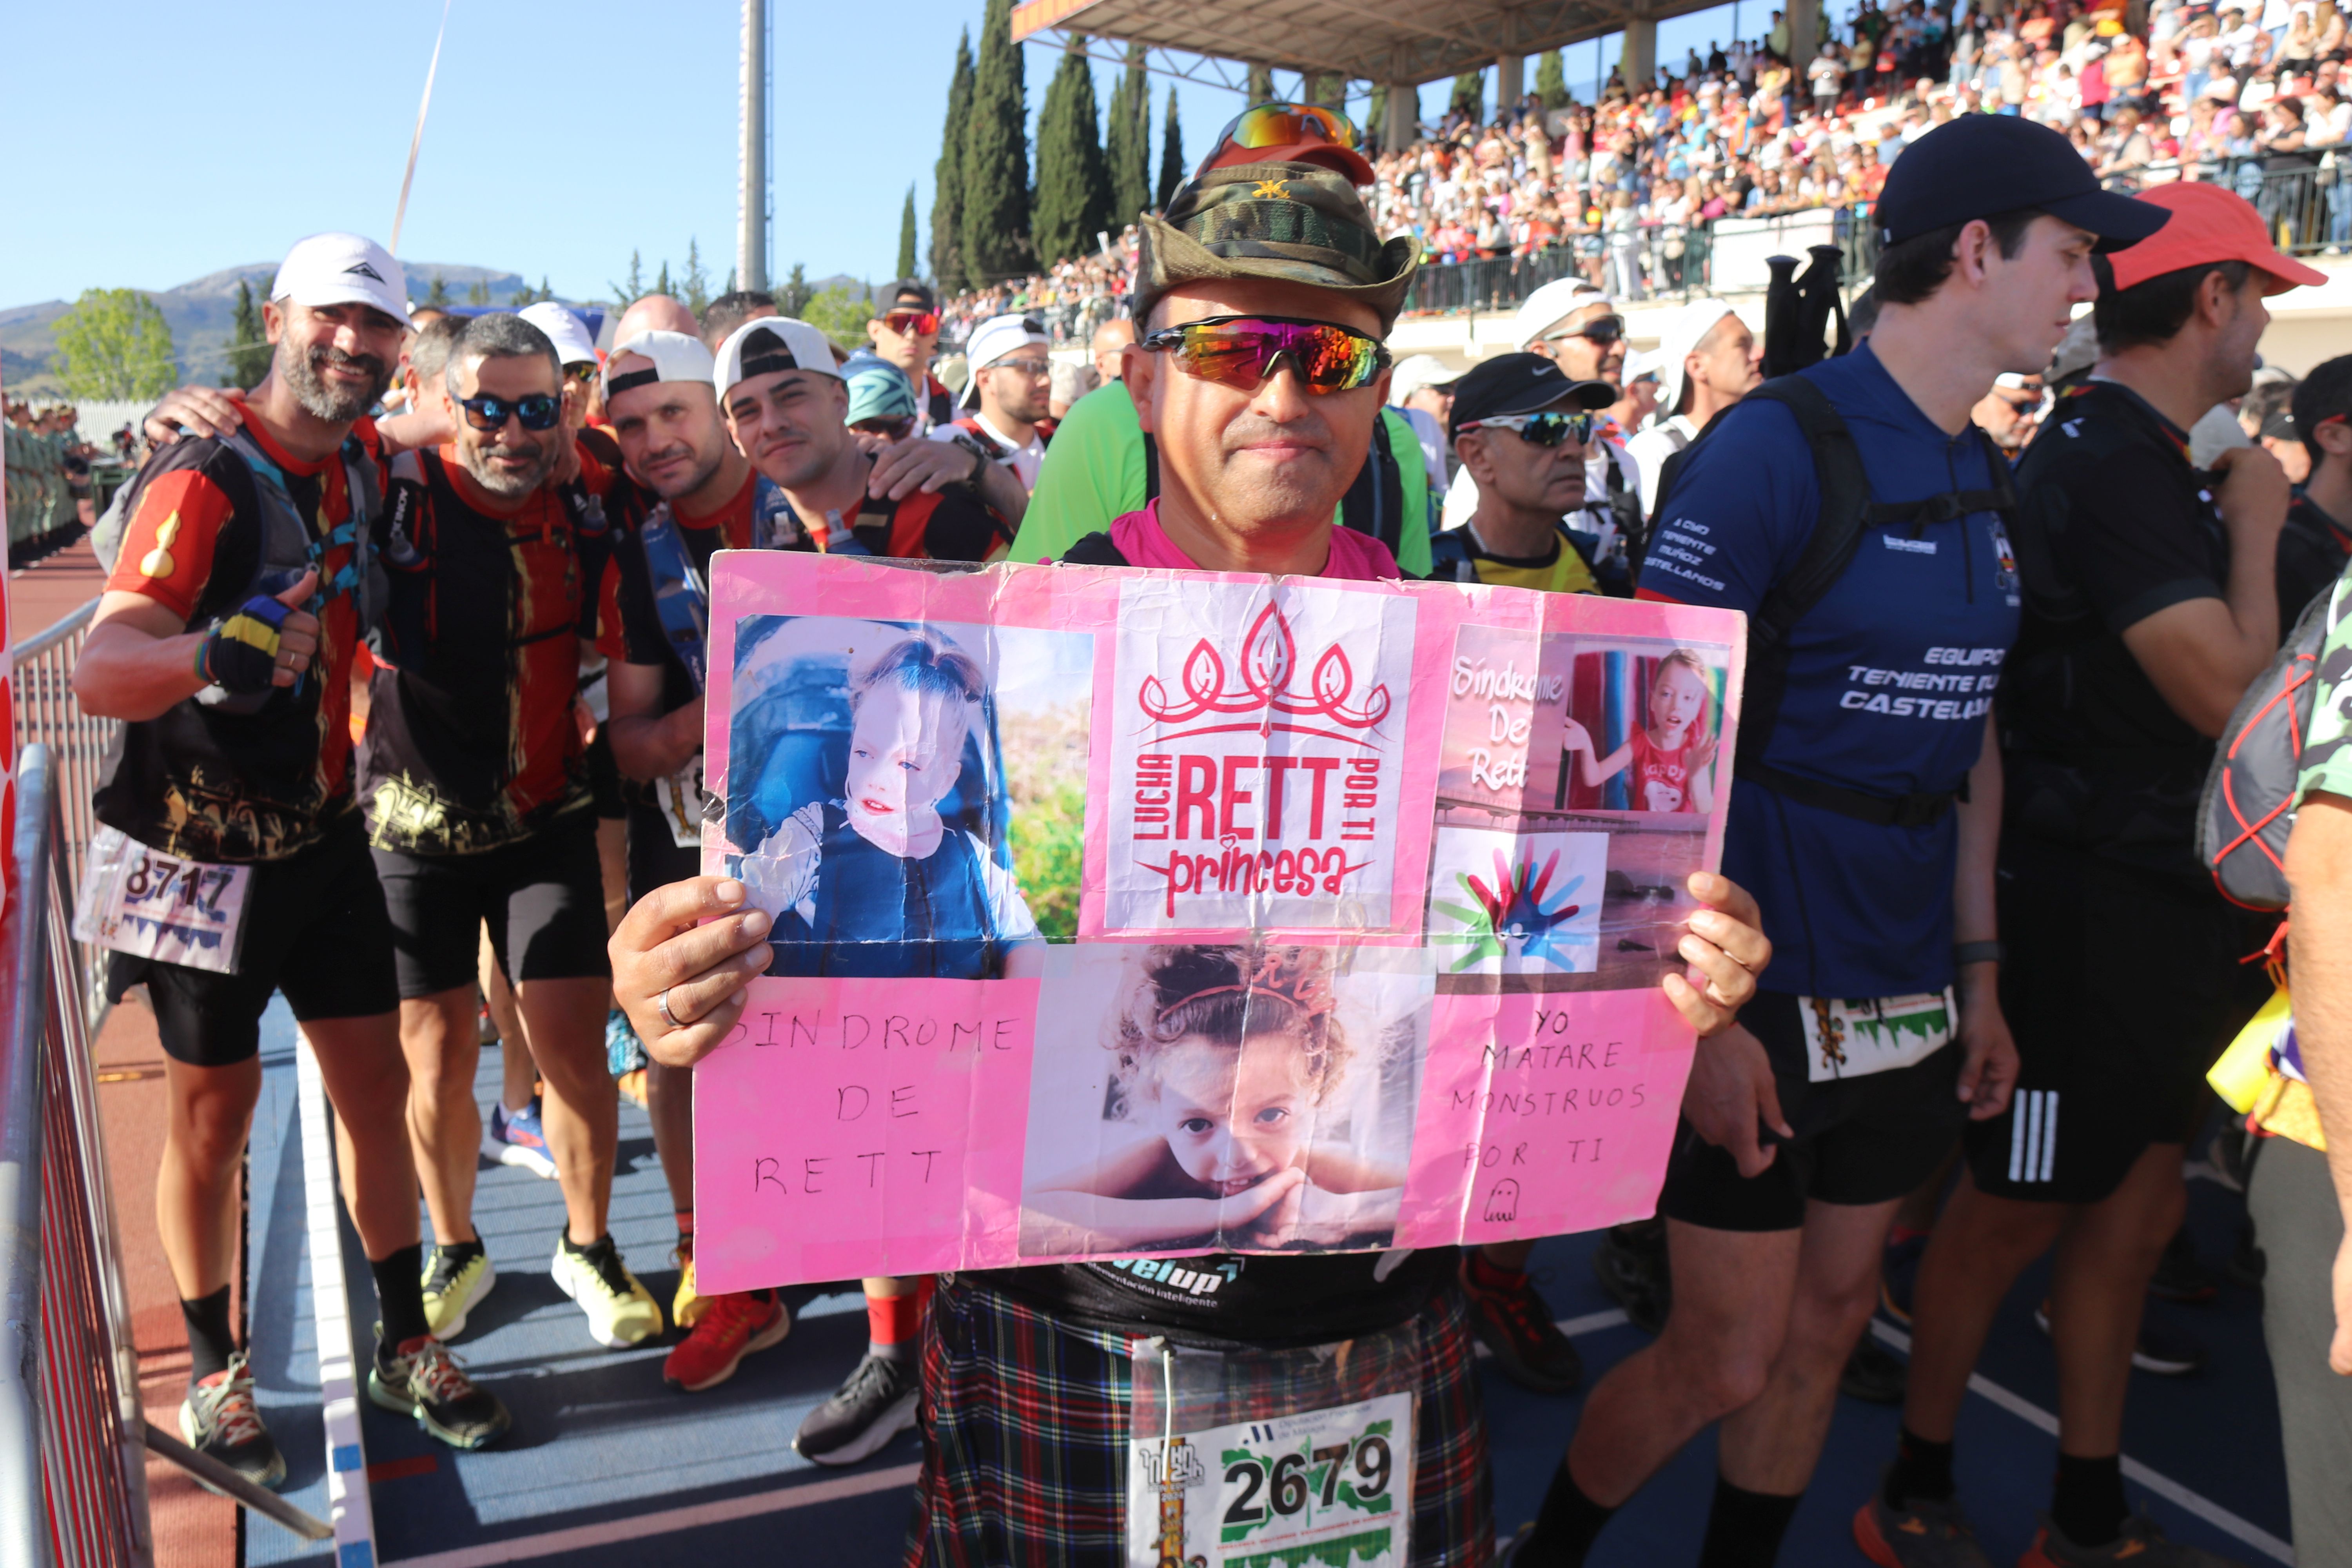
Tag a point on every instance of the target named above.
point(751, 216)
point(24, 1516)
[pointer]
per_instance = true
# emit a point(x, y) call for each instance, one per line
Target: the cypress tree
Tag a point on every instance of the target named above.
point(1375, 118)
point(1328, 87)
point(1469, 95)
point(248, 343)
point(1127, 142)
point(1261, 83)
point(947, 174)
point(1073, 197)
point(907, 235)
point(995, 218)
point(1171, 153)
point(1551, 81)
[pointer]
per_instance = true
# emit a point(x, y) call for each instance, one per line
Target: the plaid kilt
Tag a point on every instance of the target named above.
point(1025, 1427)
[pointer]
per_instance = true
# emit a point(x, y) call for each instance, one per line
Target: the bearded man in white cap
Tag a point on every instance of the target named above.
point(1007, 399)
point(1711, 361)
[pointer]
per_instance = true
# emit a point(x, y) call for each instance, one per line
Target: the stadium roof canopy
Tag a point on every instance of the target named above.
point(1402, 41)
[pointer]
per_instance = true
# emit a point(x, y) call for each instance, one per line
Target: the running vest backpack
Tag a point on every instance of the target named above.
point(1449, 560)
point(1847, 513)
point(2247, 811)
point(1373, 505)
point(257, 487)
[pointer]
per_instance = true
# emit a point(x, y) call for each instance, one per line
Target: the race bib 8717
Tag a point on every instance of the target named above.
point(1332, 1486)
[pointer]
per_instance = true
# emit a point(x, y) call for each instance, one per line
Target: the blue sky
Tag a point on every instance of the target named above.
point(562, 136)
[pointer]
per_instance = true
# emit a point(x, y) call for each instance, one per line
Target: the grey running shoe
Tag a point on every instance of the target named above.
point(1919, 1534)
point(220, 1420)
point(2141, 1544)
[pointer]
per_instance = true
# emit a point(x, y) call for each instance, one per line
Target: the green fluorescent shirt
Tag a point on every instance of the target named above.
point(1094, 472)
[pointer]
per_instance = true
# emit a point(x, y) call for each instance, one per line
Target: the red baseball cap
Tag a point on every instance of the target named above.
point(2208, 223)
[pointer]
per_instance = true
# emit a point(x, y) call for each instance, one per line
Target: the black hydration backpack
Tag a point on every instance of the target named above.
point(1847, 512)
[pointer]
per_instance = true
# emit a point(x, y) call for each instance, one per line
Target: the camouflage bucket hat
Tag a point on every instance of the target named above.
point(1298, 222)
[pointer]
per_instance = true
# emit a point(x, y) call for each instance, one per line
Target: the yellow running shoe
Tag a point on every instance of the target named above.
point(456, 1281)
point(620, 1312)
point(685, 1309)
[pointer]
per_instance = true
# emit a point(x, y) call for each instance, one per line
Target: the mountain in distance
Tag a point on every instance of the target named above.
point(201, 313)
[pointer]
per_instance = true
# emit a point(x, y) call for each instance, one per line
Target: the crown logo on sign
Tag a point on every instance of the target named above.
point(1269, 659)
point(1302, 982)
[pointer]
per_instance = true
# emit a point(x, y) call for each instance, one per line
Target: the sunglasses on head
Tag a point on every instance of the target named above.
point(1284, 125)
point(1241, 351)
point(1600, 331)
point(914, 323)
point(538, 411)
point(1546, 429)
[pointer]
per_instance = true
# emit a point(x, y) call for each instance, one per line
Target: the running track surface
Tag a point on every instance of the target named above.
point(607, 1467)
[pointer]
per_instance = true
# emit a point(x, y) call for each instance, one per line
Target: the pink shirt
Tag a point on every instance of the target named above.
point(1354, 557)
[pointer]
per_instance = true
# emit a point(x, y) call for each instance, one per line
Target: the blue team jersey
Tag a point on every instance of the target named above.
point(1891, 675)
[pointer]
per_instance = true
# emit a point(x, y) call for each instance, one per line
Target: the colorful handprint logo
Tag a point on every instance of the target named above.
point(1523, 905)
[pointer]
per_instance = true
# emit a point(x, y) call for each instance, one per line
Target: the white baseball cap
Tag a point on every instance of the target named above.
point(342, 269)
point(769, 343)
point(1690, 324)
point(675, 357)
point(1550, 305)
point(567, 331)
point(1417, 372)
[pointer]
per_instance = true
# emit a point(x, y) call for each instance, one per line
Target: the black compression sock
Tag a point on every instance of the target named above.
point(1922, 1469)
point(2087, 1502)
point(211, 1340)
point(400, 1295)
point(1565, 1529)
point(1744, 1528)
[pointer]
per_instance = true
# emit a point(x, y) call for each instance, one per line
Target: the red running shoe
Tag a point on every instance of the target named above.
point(731, 1328)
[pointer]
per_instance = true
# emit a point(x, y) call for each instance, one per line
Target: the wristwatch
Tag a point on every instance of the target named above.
point(980, 456)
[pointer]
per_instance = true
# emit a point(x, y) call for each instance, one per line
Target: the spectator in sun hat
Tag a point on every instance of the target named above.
point(1708, 360)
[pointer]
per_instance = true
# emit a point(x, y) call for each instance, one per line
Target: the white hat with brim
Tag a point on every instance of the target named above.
point(565, 330)
point(1417, 373)
point(1683, 335)
point(769, 343)
point(342, 269)
point(1550, 305)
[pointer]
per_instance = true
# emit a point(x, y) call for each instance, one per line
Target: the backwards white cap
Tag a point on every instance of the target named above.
point(769, 343)
point(342, 269)
point(1682, 336)
point(565, 330)
point(675, 356)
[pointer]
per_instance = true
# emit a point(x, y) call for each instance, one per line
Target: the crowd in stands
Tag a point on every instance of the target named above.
point(2233, 92)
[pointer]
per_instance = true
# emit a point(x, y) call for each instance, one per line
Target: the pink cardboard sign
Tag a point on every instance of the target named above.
point(1127, 915)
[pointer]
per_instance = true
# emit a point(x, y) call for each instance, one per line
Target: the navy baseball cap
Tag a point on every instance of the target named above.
point(1520, 383)
point(1980, 165)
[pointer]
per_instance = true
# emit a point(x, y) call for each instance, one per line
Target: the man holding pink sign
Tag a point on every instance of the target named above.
point(1260, 377)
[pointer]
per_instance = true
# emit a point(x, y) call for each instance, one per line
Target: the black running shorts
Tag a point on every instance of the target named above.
point(1860, 1141)
point(314, 929)
point(2122, 989)
point(655, 857)
point(543, 898)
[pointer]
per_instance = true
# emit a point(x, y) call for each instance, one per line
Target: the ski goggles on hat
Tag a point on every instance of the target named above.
point(1241, 350)
point(1546, 429)
point(1286, 125)
point(538, 411)
point(912, 323)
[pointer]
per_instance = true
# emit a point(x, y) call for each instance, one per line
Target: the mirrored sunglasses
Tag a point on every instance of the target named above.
point(915, 323)
point(1546, 429)
point(539, 411)
point(1241, 350)
point(1601, 332)
point(1286, 125)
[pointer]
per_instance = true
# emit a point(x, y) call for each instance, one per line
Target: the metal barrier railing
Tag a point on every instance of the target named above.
point(89, 1422)
point(47, 715)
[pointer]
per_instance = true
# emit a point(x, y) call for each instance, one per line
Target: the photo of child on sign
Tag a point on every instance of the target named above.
point(1245, 1095)
point(877, 827)
point(1657, 753)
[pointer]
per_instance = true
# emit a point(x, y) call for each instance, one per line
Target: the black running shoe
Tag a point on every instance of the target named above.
point(1631, 1264)
point(2159, 1349)
point(2181, 1275)
point(220, 1420)
point(427, 1383)
point(1511, 1320)
point(875, 1404)
point(1874, 1373)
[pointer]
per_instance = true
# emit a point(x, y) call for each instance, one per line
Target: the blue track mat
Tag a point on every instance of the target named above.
point(607, 1466)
